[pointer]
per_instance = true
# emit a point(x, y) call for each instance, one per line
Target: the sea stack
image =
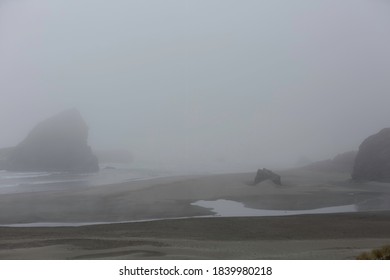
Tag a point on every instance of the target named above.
point(59, 143)
point(266, 174)
point(372, 162)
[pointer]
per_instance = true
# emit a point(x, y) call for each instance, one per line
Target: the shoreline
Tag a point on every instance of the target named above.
point(308, 236)
point(273, 213)
point(172, 197)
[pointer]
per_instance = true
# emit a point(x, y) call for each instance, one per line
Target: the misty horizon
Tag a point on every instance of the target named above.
point(201, 84)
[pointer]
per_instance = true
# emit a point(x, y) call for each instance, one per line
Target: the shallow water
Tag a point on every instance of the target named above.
point(18, 182)
point(79, 224)
point(229, 208)
point(221, 208)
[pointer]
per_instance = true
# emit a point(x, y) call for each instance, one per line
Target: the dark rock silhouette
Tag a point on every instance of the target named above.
point(266, 174)
point(56, 144)
point(4, 153)
point(341, 163)
point(373, 159)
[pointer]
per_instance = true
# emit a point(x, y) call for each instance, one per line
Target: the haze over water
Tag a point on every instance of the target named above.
point(200, 85)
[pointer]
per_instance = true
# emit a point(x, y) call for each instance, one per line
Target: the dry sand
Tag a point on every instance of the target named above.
point(325, 236)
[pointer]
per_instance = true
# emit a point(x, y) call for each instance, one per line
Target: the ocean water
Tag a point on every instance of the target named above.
point(17, 182)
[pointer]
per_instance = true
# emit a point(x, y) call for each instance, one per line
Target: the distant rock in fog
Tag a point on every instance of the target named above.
point(4, 153)
point(114, 156)
point(266, 174)
point(341, 163)
point(56, 144)
point(373, 159)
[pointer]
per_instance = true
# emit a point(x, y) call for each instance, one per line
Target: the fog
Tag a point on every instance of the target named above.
point(200, 84)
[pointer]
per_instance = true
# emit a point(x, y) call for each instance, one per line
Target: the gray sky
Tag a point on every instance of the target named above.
point(235, 84)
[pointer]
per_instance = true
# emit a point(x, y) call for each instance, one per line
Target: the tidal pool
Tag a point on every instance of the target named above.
point(229, 208)
point(221, 208)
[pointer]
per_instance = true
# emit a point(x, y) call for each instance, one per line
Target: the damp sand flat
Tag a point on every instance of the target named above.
point(327, 236)
point(172, 197)
point(197, 238)
point(220, 208)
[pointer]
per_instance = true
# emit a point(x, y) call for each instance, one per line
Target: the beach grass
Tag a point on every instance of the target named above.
point(382, 253)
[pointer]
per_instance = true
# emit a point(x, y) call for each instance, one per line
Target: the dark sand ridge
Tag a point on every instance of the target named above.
point(326, 236)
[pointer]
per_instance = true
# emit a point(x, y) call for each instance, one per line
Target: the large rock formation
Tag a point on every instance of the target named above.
point(56, 144)
point(266, 174)
point(373, 159)
point(4, 153)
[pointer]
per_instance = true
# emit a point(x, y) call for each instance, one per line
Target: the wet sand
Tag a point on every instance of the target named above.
point(322, 236)
point(330, 236)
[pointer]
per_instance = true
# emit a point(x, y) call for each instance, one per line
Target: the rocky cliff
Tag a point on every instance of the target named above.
point(4, 153)
point(372, 162)
point(56, 144)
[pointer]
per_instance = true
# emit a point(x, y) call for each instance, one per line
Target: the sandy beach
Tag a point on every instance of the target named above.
point(312, 236)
